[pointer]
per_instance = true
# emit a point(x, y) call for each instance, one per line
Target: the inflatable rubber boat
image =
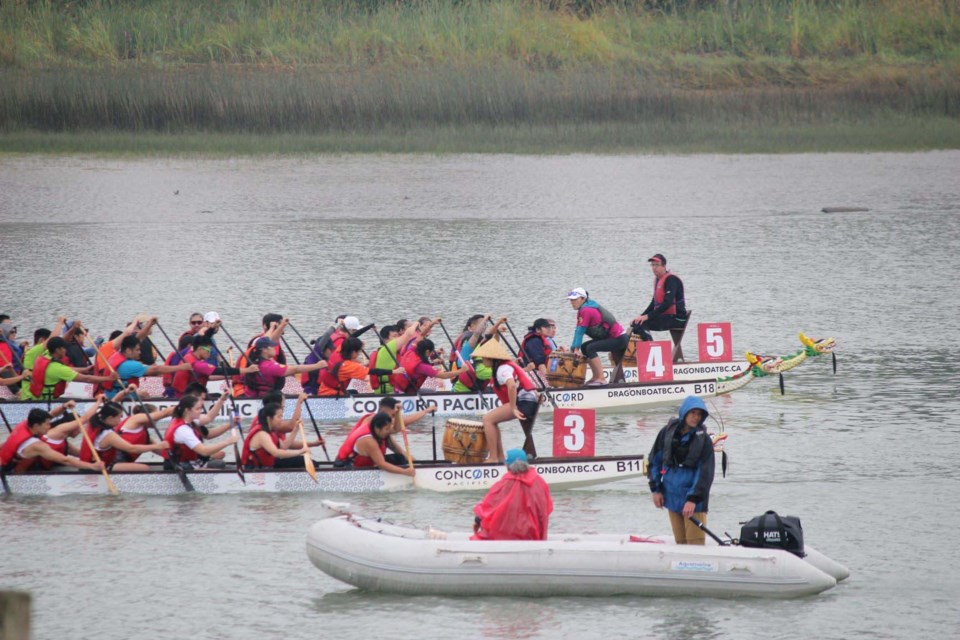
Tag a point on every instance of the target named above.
point(375, 555)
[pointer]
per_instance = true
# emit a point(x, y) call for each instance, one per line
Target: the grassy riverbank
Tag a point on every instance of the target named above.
point(239, 76)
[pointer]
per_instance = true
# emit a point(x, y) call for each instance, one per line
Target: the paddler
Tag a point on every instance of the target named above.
point(50, 375)
point(474, 375)
point(198, 368)
point(186, 438)
point(366, 448)
point(126, 362)
point(386, 357)
point(335, 379)
point(118, 439)
point(606, 334)
point(270, 374)
point(266, 447)
point(517, 507)
point(25, 446)
point(538, 344)
point(517, 393)
point(392, 407)
point(418, 364)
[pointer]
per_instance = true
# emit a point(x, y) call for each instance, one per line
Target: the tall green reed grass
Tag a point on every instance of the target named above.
point(540, 34)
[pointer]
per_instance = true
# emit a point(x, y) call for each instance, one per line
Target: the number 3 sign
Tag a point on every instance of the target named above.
point(716, 341)
point(573, 433)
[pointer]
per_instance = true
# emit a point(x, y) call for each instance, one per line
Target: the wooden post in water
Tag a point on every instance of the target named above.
point(14, 615)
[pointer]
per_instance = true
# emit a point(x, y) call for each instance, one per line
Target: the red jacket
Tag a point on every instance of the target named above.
point(517, 507)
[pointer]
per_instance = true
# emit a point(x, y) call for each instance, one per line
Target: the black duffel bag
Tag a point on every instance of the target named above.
point(771, 531)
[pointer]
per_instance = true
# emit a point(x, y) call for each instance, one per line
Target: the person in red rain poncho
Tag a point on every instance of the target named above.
point(517, 507)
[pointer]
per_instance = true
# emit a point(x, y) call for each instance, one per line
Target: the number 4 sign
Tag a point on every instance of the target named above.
point(655, 361)
point(573, 432)
point(716, 341)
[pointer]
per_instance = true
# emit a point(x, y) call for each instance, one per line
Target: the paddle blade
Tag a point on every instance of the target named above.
point(834, 363)
point(110, 486)
point(307, 460)
point(781, 383)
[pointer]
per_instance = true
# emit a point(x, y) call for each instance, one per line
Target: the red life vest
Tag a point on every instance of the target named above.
point(468, 378)
point(348, 454)
point(375, 379)
point(410, 360)
point(259, 457)
point(107, 456)
point(8, 451)
point(330, 378)
point(115, 361)
point(457, 346)
point(173, 358)
point(60, 447)
point(183, 453)
point(133, 437)
point(336, 339)
point(522, 378)
point(659, 291)
point(183, 378)
point(37, 387)
point(533, 335)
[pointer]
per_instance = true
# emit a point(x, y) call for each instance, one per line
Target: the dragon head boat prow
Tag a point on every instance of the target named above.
point(765, 365)
point(817, 347)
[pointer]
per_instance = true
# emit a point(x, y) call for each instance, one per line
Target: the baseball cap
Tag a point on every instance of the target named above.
point(211, 317)
point(351, 323)
point(263, 343)
point(658, 257)
point(516, 454)
point(579, 292)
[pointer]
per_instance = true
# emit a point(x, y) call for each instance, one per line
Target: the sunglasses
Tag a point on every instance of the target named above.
point(196, 322)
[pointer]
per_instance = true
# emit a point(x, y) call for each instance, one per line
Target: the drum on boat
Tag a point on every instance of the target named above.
point(566, 370)
point(464, 442)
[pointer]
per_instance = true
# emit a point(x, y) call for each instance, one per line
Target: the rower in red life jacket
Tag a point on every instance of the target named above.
point(107, 430)
point(323, 348)
point(418, 365)
point(335, 379)
point(266, 446)
point(50, 375)
point(517, 393)
point(423, 328)
point(538, 344)
point(271, 374)
point(25, 446)
point(57, 437)
point(186, 438)
point(667, 308)
point(273, 327)
point(366, 448)
point(476, 376)
point(468, 339)
point(387, 356)
point(198, 368)
point(393, 407)
point(126, 362)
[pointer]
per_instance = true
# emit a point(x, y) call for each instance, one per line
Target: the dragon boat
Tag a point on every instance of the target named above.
point(560, 473)
point(376, 555)
point(761, 366)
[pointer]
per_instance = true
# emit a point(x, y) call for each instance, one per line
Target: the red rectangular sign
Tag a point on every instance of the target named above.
point(574, 432)
point(655, 361)
point(716, 341)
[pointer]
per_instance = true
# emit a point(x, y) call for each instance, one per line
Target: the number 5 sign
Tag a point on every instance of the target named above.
point(655, 361)
point(573, 432)
point(716, 341)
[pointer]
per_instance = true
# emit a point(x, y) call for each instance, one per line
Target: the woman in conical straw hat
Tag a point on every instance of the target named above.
point(517, 393)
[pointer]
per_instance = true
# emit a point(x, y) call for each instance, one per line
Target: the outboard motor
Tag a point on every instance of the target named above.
point(772, 531)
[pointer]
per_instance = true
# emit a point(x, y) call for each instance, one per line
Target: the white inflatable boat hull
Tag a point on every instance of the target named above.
point(377, 556)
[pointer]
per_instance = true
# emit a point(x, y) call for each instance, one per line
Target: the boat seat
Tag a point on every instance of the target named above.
point(676, 336)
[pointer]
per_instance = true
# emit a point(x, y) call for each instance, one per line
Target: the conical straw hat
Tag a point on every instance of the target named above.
point(492, 349)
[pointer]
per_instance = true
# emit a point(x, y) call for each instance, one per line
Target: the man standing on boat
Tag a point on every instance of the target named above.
point(667, 308)
point(681, 470)
point(517, 507)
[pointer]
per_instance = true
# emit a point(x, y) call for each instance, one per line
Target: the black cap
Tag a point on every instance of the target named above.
point(658, 257)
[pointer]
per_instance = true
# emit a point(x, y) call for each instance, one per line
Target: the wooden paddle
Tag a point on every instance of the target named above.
point(96, 457)
point(406, 440)
point(307, 460)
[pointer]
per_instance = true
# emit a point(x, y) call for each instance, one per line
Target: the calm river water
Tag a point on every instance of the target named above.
point(867, 458)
